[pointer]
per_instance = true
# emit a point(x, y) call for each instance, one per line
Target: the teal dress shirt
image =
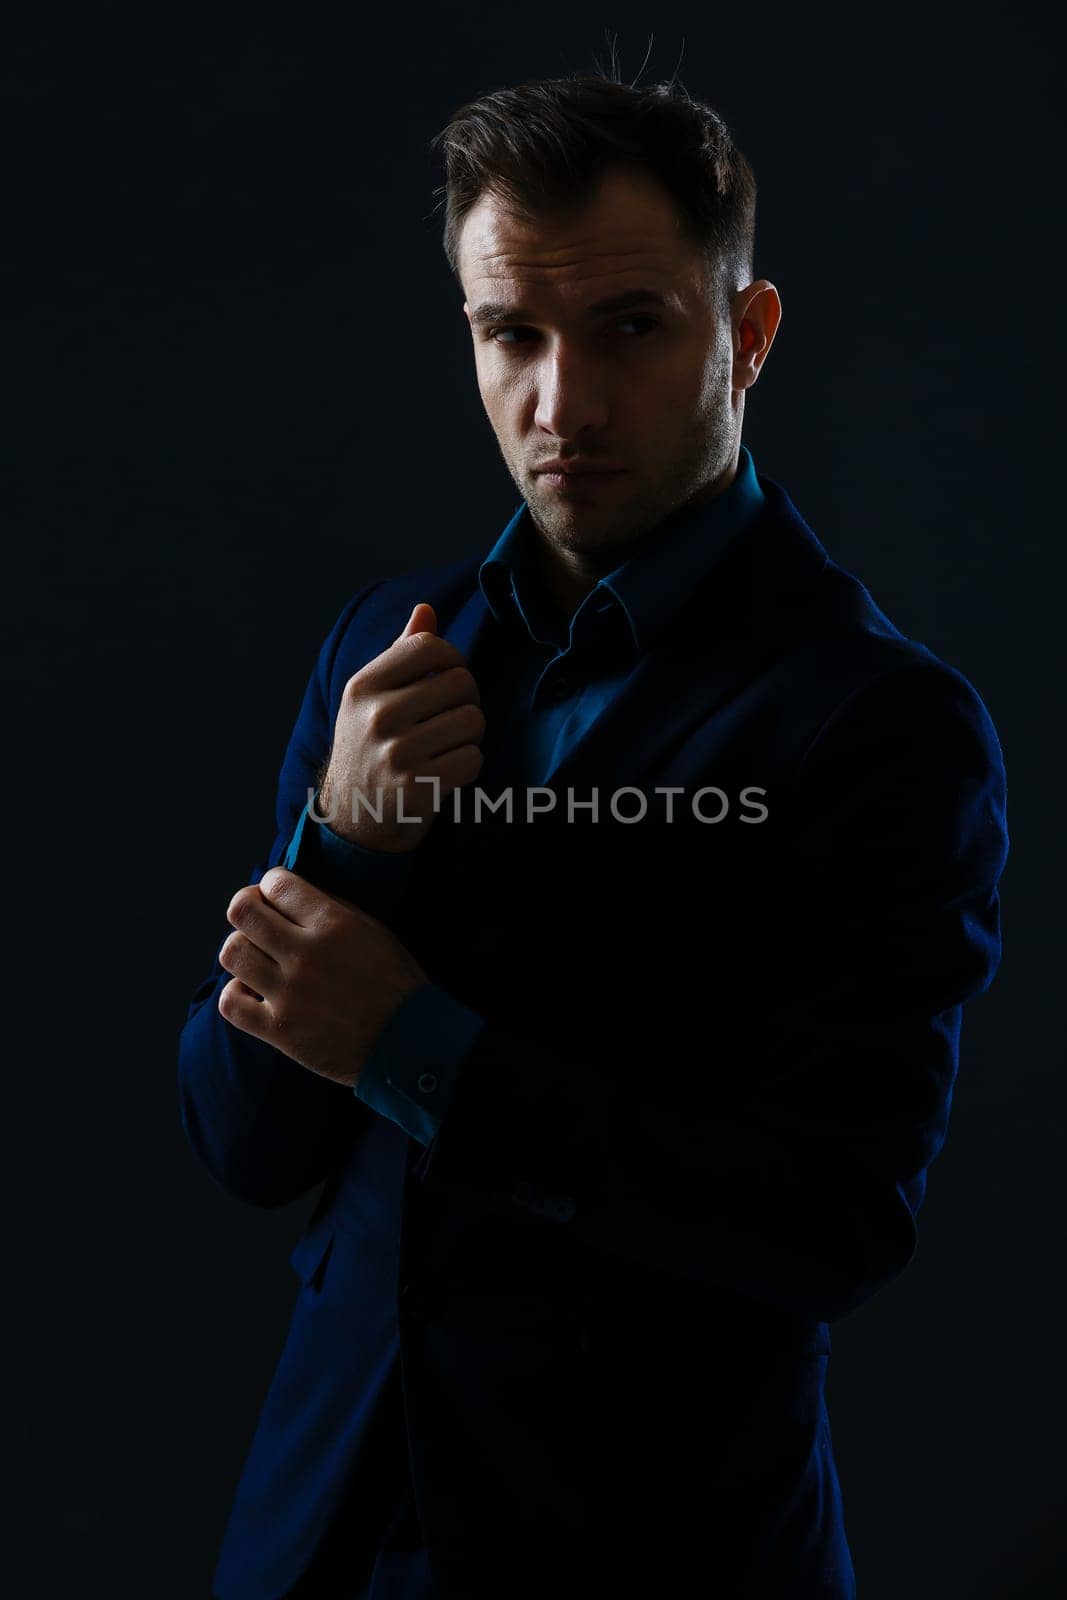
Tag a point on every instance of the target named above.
point(561, 678)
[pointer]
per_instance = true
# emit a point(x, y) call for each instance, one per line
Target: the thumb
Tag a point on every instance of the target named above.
point(422, 620)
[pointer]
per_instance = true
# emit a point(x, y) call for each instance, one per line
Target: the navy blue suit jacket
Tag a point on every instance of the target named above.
point(609, 1302)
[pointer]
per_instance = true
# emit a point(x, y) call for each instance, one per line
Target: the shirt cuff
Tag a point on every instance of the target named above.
point(372, 878)
point(411, 1073)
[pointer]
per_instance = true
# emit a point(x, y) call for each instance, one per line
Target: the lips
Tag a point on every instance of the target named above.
point(581, 484)
point(558, 470)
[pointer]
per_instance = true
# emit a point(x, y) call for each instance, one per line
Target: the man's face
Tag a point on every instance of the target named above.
point(647, 388)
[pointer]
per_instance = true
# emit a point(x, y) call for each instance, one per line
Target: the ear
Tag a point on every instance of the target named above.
point(757, 313)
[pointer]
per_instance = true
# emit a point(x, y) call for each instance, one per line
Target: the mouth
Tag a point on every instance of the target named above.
point(590, 481)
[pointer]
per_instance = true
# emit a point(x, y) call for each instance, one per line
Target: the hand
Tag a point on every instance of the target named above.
point(314, 976)
point(412, 712)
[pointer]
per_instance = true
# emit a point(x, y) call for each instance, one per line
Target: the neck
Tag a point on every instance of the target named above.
point(566, 579)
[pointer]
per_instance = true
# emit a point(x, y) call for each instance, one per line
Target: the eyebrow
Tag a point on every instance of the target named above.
point(496, 311)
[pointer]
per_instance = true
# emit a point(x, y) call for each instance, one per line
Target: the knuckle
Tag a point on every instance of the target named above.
point(476, 719)
point(281, 1005)
point(441, 654)
point(414, 644)
point(464, 678)
point(391, 753)
point(241, 902)
point(359, 693)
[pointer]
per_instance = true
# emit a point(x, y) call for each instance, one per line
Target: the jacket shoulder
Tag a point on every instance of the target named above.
point(873, 660)
point(838, 658)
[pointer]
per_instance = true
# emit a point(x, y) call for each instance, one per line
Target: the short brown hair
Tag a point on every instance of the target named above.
point(545, 146)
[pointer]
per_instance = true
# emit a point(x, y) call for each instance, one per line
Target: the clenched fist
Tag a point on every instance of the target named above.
point(313, 974)
point(412, 712)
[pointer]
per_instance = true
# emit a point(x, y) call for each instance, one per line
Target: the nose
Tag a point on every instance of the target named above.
point(570, 396)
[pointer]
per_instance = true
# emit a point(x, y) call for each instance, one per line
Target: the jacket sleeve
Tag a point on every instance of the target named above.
point(375, 879)
point(428, 1026)
point(267, 1129)
point(411, 1074)
point(805, 1196)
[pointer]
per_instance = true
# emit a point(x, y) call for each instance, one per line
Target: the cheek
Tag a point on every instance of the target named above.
point(718, 376)
point(506, 403)
point(489, 387)
point(697, 380)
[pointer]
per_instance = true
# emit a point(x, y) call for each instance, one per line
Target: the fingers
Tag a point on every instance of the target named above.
point(400, 709)
point(268, 911)
point(423, 618)
point(449, 730)
point(453, 687)
point(242, 1007)
point(263, 921)
point(455, 768)
point(257, 970)
point(407, 660)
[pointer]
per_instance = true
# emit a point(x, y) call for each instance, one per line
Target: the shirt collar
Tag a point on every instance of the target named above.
point(644, 591)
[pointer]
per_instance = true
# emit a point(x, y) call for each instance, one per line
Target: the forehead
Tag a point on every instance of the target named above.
point(631, 227)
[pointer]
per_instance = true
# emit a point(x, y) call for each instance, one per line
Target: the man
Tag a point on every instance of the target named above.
point(622, 1098)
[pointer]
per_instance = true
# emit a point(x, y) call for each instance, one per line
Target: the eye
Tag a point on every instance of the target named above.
point(520, 328)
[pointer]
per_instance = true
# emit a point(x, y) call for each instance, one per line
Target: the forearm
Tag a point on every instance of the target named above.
point(264, 1126)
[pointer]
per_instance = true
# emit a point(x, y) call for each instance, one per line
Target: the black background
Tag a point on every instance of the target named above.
point(238, 387)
